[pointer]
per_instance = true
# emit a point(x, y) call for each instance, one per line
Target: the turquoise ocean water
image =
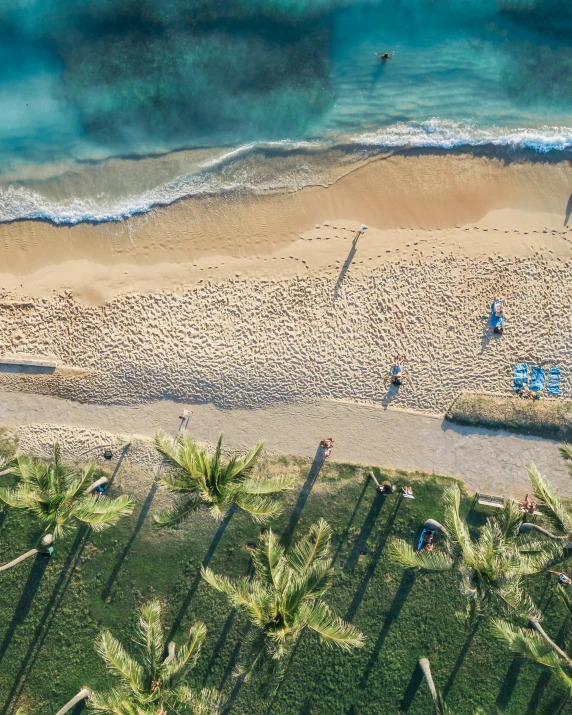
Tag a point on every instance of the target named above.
point(108, 107)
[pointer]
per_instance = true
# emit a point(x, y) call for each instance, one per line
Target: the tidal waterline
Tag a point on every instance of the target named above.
point(262, 94)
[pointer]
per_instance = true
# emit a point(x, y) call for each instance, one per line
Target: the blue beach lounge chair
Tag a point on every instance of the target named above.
point(520, 376)
point(537, 378)
point(553, 381)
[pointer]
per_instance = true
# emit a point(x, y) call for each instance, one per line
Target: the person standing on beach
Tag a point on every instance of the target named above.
point(361, 231)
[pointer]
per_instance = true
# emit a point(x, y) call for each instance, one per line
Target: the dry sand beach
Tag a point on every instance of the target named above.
point(253, 301)
point(264, 299)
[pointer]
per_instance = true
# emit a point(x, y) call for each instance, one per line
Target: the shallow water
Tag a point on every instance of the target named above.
point(262, 94)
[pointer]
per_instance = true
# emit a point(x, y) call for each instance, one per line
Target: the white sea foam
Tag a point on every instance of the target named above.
point(216, 178)
point(438, 133)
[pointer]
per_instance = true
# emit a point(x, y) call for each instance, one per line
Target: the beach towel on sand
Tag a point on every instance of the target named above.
point(497, 321)
point(520, 375)
point(553, 381)
point(536, 379)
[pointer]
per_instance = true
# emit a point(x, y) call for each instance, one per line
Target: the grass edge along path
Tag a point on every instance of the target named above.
point(49, 620)
point(547, 418)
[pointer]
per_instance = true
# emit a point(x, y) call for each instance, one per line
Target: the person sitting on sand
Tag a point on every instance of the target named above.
point(397, 371)
point(498, 307)
point(327, 445)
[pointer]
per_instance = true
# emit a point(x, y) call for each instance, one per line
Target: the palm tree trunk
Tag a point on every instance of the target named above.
point(372, 476)
point(426, 669)
point(533, 527)
point(42, 547)
point(435, 526)
point(82, 695)
point(97, 483)
point(542, 633)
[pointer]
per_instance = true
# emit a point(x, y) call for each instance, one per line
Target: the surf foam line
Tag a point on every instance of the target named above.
point(227, 173)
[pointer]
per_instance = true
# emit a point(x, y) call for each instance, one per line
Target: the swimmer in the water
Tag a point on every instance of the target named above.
point(385, 56)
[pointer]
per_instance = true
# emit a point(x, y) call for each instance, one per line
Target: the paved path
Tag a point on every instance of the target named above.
point(488, 461)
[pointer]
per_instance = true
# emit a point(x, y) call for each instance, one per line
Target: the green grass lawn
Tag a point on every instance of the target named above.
point(51, 611)
point(544, 417)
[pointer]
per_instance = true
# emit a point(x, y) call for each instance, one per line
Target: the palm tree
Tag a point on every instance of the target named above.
point(59, 495)
point(202, 480)
point(82, 695)
point(549, 503)
point(535, 644)
point(283, 599)
point(155, 685)
point(489, 568)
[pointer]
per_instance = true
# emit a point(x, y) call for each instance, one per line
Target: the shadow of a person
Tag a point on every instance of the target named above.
point(347, 264)
point(568, 211)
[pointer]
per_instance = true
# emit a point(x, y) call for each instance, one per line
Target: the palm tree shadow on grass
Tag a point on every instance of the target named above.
point(346, 531)
point(317, 464)
point(461, 657)
point(407, 581)
point(509, 682)
point(365, 531)
point(140, 520)
point(360, 592)
point(24, 604)
point(206, 561)
point(412, 688)
point(544, 679)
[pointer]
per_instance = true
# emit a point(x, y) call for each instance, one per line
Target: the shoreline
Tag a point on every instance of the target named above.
point(423, 193)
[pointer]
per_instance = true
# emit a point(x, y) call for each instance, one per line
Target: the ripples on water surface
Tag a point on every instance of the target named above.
point(232, 82)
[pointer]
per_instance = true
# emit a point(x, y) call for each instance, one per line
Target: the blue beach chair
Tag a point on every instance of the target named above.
point(520, 376)
point(553, 381)
point(537, 378)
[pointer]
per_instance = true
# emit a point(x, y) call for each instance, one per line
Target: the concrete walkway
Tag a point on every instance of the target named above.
point(488, 461)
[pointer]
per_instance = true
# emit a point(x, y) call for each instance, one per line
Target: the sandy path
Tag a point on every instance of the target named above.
point(487, 461)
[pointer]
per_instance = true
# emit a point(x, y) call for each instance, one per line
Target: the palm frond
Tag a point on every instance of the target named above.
point(243, 465)
point(268, 559)
point(313, 546)
point(529, 644)
point(260, 508)
point(242, 593)
point(151, 635)
point(16, 498)
point(180, 511)
point(332, 630)
point(186, 655)
point(201, 702)
point(267, 485)
point(516, 601)
point(119, 662)
point(510, 519)
point(102, 512)
point(402, 553)
point(114, 702)
point(549, 501)
point(457, 527)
